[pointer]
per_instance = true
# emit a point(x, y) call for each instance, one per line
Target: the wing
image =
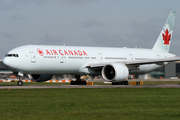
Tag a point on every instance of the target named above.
point(134, 64)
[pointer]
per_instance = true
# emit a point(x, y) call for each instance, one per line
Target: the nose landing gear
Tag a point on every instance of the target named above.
point(20, 82)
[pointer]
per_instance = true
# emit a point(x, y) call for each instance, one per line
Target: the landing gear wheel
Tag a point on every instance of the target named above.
point(125, 82)
point(120, 83)
point(20, 83)
point(78, 81)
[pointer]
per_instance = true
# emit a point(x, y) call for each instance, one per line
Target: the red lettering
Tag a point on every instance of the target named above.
point(70, 52)
point(60, 52)
point(80, 53)
point(75, 53)
point(47, 52)
point(65, 52)
point(84, 53)
point(51, 52)
point(55, 52)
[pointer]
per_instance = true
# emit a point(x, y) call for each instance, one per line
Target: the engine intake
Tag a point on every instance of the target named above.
point(115, 72)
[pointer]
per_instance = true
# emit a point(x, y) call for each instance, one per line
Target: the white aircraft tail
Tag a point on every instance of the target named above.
point(164, 40)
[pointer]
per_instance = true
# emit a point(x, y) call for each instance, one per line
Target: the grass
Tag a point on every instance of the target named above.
point(88, 104)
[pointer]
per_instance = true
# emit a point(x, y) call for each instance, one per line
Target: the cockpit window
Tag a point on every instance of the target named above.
point(11, 55)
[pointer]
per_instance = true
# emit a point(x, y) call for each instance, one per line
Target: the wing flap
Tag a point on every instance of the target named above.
point(152, 61)
point(134, 64)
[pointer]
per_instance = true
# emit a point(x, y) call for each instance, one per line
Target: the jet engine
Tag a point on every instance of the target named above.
point(115, 72)
point(40, 77)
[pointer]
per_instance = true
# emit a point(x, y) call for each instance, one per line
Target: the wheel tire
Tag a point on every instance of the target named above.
point(20, 83)
point(78, 82)
point(115, 83)
point(120, 83)
point(126, 82)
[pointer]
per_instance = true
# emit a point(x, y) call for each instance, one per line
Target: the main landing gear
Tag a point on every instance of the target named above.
point(120, 83)
point(78, 81)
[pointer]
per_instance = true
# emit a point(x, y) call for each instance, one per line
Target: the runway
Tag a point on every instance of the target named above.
point(86, 86)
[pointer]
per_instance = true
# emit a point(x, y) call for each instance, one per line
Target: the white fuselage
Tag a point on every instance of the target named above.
point(45, 59)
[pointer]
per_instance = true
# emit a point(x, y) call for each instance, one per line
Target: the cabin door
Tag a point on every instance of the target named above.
point(33, 57)
point(100, 58)
point(131, 57)
point(62, 59)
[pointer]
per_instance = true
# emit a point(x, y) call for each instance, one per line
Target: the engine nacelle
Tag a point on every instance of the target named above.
point(40, 77)
point(115, 72)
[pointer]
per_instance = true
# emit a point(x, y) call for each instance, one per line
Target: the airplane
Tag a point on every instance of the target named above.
point(41, 62)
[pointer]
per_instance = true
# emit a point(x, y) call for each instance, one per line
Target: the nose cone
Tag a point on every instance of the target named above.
point(9, 63)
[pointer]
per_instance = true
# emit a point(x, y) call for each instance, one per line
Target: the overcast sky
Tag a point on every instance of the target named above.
point(107, 23)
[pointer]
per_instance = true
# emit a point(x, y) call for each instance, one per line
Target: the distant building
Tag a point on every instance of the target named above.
point(4, 72)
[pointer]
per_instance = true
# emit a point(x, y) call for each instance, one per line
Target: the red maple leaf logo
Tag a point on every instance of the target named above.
point(41, 53)
point(166, 37)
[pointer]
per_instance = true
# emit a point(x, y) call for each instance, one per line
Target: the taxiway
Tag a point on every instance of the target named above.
point(86, 86)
